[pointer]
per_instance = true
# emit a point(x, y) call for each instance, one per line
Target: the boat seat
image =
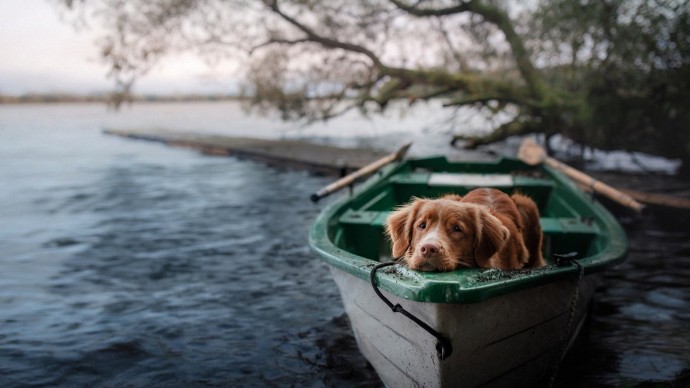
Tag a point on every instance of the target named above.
point(549, 225)
point(431, 185)
point(451, 180)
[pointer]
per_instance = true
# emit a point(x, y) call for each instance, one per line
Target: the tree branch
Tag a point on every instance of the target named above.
point(500, 19)
point(437, 92)
point(390, 90)
point(277, 41)
point(325, 41)
point(518, 126)
point(414, 10)
point(471, 84)
point(462, 101)
point(456, 55)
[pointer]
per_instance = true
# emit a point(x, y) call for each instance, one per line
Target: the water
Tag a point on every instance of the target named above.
point(130, 263)
point(640, 331)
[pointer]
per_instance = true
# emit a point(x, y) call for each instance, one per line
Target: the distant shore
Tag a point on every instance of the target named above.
point(58, 98)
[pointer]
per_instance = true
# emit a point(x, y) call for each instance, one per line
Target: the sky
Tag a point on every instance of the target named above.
point(40, 52)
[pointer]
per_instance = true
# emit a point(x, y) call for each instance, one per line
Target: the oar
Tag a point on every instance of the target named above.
point(533, 154)
point(654, 199)
point(362, 172)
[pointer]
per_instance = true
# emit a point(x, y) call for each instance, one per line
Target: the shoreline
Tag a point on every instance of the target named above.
point(38, 99)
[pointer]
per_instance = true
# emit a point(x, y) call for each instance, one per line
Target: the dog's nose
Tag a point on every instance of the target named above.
point(429, 250)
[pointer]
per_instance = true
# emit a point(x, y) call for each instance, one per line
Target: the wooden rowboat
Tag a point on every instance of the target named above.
point(502, 328)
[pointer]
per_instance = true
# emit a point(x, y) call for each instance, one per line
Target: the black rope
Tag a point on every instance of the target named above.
point(443, 347)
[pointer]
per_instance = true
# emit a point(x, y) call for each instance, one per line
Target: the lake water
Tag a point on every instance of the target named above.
point(130, 263)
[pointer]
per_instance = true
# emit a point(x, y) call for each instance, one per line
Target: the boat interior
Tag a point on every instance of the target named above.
point(568, 226)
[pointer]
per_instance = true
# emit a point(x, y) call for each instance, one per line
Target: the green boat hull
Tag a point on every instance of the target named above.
point(506, 328)
point(349, 234)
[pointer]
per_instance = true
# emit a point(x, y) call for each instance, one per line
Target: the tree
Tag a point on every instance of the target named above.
point(606, 73)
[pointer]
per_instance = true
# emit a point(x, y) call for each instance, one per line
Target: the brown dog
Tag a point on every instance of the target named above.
point(486, 228)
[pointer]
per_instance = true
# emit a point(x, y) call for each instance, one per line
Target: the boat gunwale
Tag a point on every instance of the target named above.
point(446, 287)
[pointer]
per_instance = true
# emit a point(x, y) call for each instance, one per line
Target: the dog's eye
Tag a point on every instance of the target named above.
point(422, 225)
point(457, 229)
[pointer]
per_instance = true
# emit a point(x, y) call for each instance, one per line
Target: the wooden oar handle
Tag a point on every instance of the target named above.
point(595, 185)
point(362, 172)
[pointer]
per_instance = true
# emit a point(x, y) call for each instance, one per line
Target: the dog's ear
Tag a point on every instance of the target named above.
point(491, 235)
point(399, 226)
point(453, 197)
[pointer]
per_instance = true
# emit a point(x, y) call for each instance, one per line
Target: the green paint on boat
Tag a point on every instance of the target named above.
point(349, 233)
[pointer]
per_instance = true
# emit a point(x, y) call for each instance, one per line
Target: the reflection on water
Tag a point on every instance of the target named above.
point(128, 263)
point(641, 325)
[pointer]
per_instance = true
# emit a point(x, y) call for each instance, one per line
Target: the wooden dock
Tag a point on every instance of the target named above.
point(296, 154)
point(329, 160)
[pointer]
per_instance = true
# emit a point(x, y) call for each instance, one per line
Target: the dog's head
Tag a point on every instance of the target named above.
point(445, 234)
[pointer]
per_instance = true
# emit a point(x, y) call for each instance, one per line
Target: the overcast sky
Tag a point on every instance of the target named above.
point(39, 53)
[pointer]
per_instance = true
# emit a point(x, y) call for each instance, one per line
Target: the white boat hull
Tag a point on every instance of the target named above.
point(511, 340)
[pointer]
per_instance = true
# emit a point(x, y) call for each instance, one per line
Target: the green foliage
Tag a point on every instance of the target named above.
point(626, 65)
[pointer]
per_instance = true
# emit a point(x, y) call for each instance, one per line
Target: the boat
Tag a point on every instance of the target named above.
point(484, 327)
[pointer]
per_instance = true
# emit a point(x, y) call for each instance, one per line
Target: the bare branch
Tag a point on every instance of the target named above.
point(277, 41)
point(324, 41)
point(500, 19)
point(417, 11)
point(462, 63)
point(519, 126)
point(426, 95)
point(484, 100)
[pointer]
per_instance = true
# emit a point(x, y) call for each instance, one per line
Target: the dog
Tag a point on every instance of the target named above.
point(485, 228)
